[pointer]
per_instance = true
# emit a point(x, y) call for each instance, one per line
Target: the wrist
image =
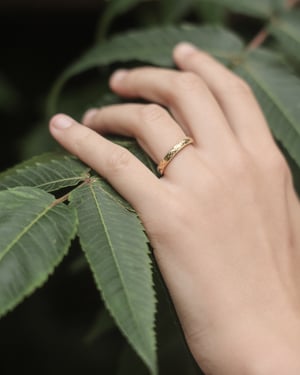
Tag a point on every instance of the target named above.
point(253, 352)
point(269, 361)
point(265, 357)
point(274, 363)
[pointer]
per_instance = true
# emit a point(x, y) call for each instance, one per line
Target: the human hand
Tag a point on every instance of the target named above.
point(223, 220)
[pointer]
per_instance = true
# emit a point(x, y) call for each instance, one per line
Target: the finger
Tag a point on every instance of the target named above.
point(151, 125)
point(133, 180)
point(185, 94)
point(232, 93)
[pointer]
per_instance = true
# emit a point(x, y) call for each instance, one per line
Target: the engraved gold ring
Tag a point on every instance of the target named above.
point(172, 153)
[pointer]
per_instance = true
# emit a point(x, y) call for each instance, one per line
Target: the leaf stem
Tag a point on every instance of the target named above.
point(292, 3)
point(262, 35)
point(258, 40)
point(66, 196)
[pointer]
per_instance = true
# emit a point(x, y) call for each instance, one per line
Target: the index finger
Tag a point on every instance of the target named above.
point(129, 176)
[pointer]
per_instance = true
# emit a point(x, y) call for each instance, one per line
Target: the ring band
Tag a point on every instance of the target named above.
point(172, 153)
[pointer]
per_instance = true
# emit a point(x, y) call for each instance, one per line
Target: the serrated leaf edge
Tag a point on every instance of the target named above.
point(39, 283)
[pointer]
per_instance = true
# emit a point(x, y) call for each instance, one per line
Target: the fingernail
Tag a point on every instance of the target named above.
point(118, 75)
point(88, 115)
point(61, 121)
point(185, 48)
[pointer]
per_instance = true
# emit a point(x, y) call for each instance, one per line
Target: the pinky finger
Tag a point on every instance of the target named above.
point(132, 179)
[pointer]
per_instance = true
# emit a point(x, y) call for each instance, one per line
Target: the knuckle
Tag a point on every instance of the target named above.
point(188, 81)
point(238, 165)
point(118, 160)
point(151, 113)
point(277, 166)
point(238, 86)
point(175, 209)
point(241, 167)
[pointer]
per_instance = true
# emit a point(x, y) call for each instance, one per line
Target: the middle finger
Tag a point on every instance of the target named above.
point(186, 96)
point(151, 125)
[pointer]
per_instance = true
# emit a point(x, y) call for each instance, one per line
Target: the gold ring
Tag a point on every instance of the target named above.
point(172, 153)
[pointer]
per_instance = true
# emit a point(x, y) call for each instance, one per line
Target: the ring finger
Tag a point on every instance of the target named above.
point(151, 125)
point(186, 96)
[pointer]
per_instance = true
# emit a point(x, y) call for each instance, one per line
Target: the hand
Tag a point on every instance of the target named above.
point(224, 219)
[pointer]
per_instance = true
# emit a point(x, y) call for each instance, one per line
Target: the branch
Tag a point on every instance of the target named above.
point(66, 196)
point(292, 3)
point(258, 40)
point(262, 35)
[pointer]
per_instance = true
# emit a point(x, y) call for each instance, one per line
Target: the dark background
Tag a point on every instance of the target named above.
point(48, 332)
point(45, 334)
point(38, 40)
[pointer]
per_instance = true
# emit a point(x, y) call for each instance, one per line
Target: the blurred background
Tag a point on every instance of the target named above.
point(57, 330)
point(63, 328)
point(39, 39)
point(45, 334)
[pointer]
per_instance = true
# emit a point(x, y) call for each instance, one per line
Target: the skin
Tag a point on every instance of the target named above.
point(223, 220)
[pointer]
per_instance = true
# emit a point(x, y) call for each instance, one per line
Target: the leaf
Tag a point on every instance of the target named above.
point(35, 234)
point(172, 10)
point(112, 10)
point(256, 8)
point(280, 5)
point(153, 46)
point(294, 169)
point(286, 29)
point(117, 251)
point(278, 91)
point(49, 172)
point(211, 12)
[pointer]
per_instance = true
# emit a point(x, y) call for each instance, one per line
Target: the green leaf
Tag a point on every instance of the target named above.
point(211, 12)
point(278, 91)
point(286, 30)
point(35, 234)
point(49, 172)
point(279, 5)
point(293, 167)
point(116, 247)
point(256, 8)
point(112, 10)
point(152, 46)
point(172, 10)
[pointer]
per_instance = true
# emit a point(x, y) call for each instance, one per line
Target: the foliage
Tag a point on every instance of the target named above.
point(47, 200)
